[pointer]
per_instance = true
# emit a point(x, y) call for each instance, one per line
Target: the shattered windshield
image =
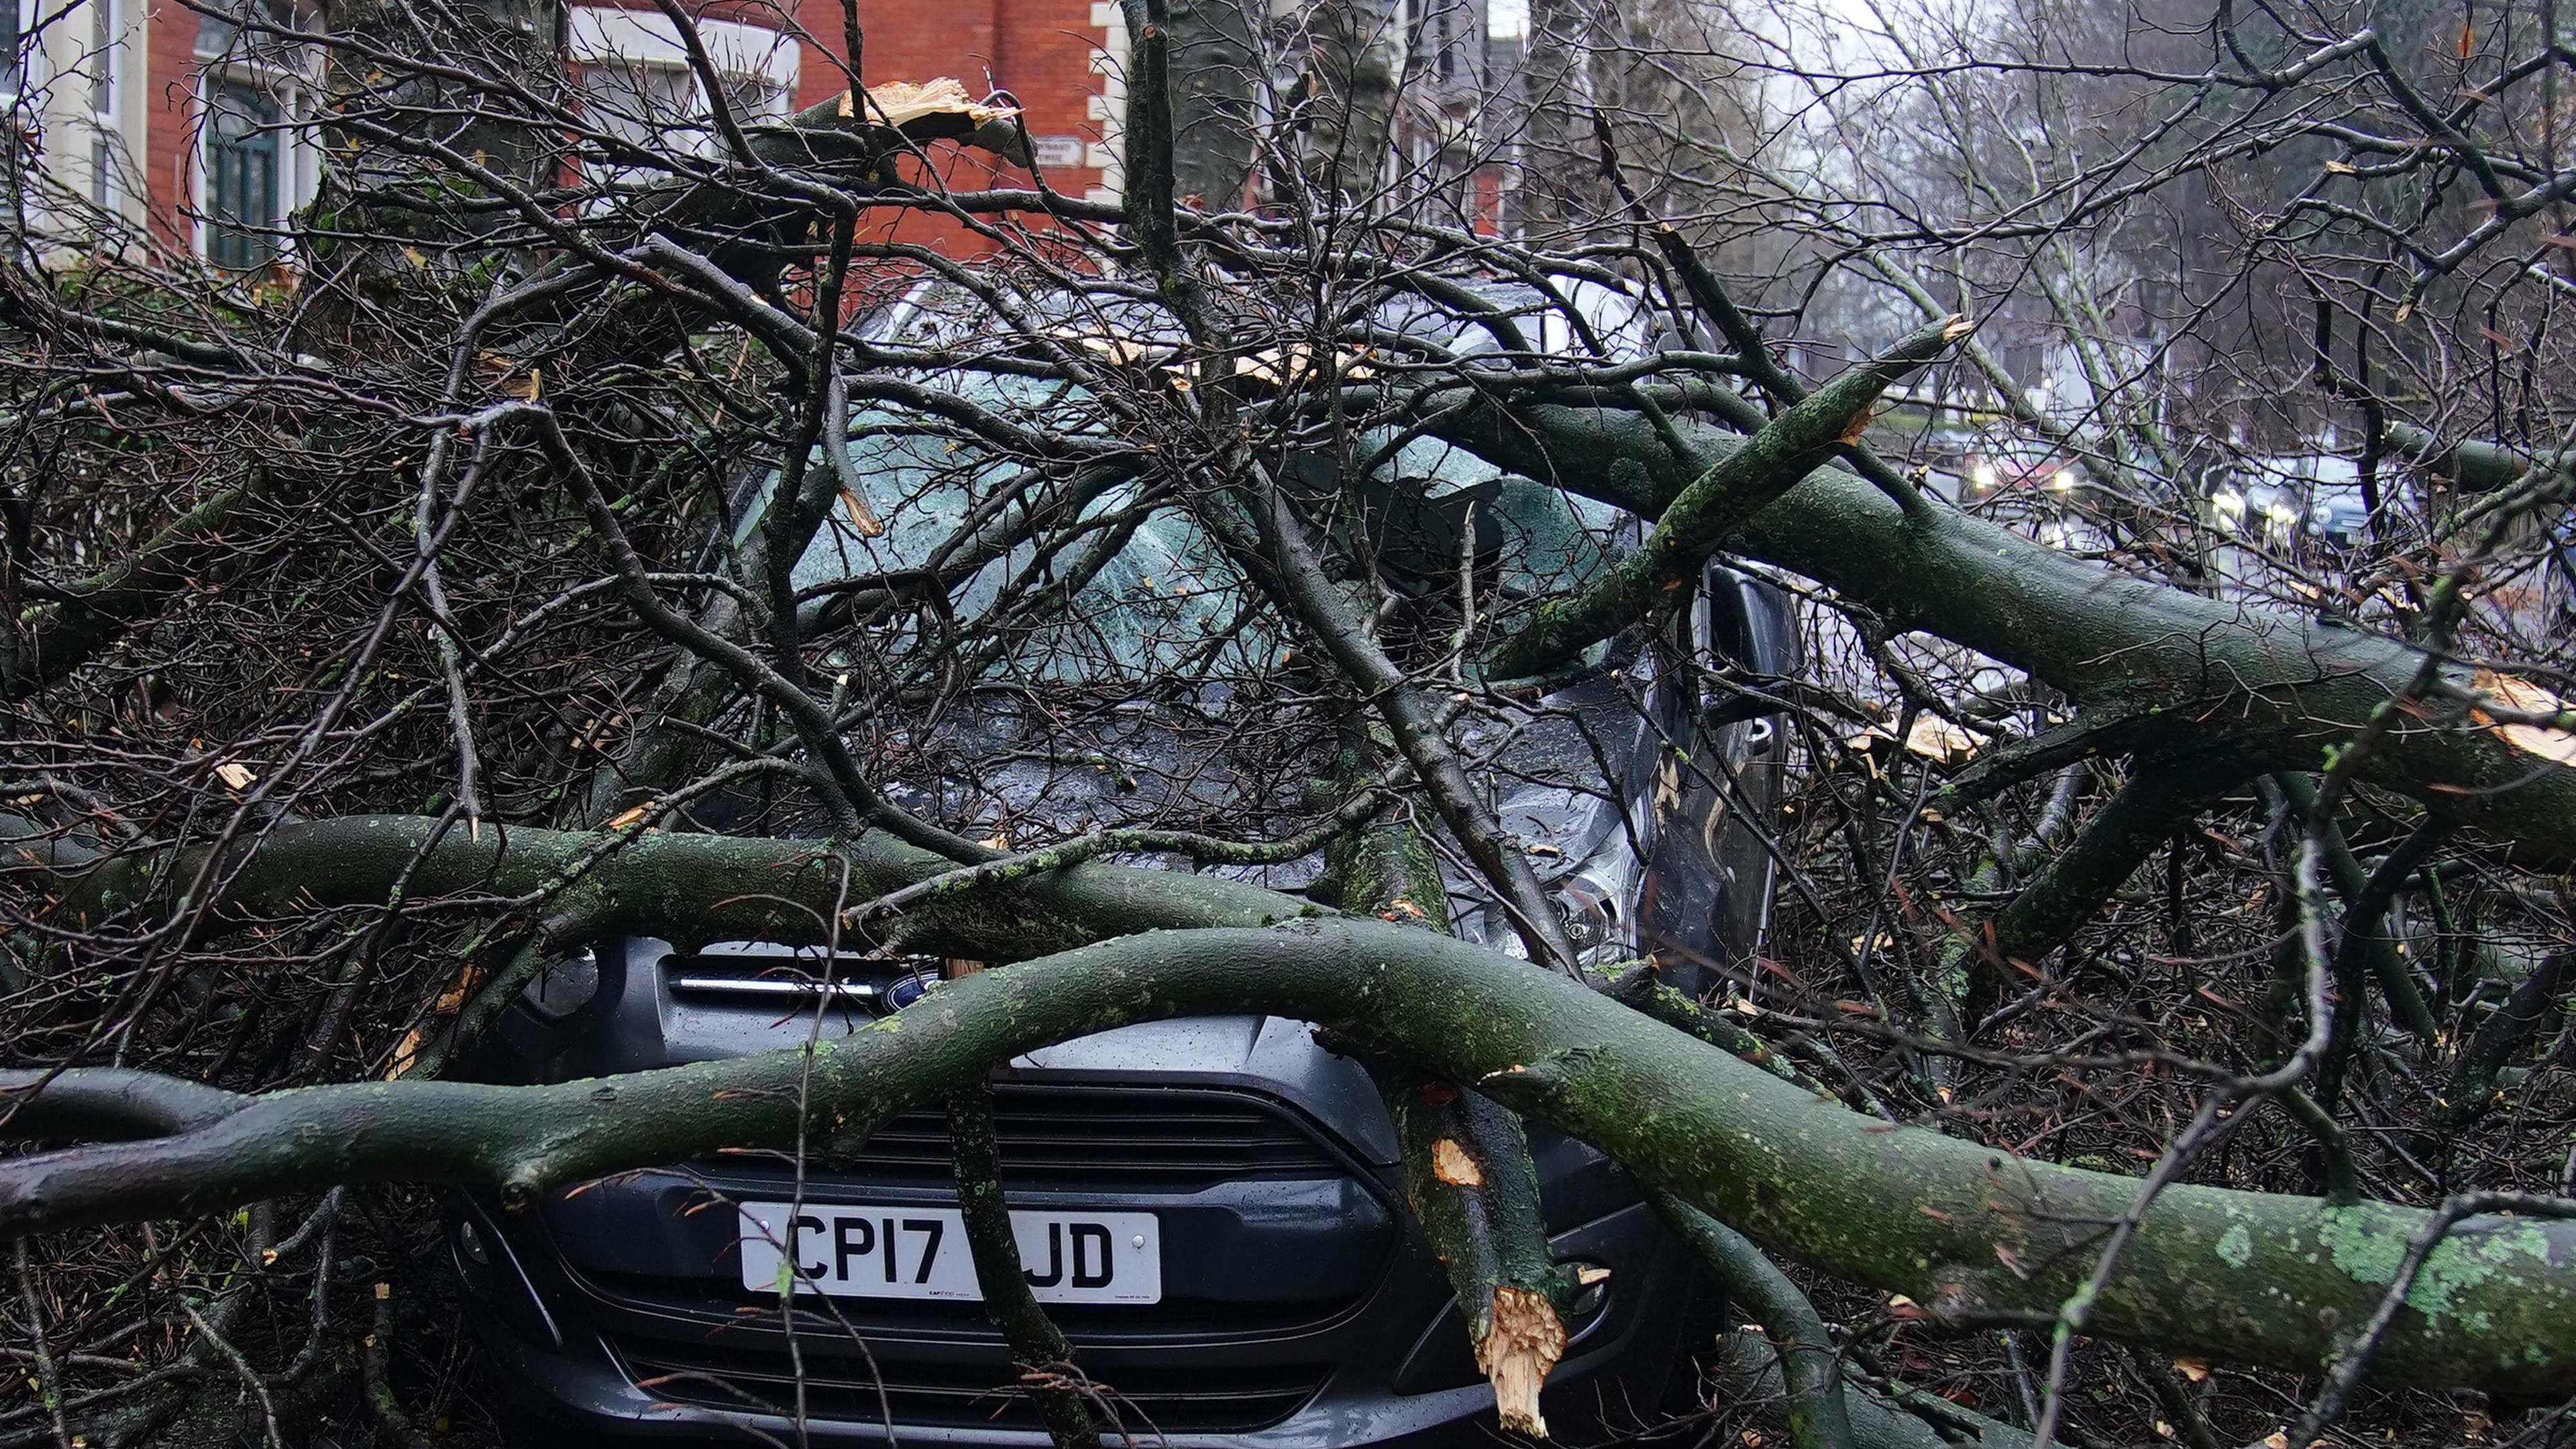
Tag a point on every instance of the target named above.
point(1125, 583)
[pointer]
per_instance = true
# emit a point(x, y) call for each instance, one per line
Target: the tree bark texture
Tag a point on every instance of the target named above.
point(1970, 1232)
point(2196, 675)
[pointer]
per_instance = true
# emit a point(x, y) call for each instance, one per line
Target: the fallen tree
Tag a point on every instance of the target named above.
point(1972, 1234)
point(656, 538)
point(2156, 671)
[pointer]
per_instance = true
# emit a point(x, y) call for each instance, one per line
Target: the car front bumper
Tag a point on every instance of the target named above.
point(1391, 1367)
point(1299, 1305)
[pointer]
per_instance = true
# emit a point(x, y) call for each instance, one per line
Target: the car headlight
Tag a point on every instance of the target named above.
point(1597, 901)
point(1596, 917)
point(563, 987)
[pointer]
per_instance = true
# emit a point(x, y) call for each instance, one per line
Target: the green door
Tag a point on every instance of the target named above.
point(244, 147)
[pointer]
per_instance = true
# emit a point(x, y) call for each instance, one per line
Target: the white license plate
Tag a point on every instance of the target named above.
point(921, 1252)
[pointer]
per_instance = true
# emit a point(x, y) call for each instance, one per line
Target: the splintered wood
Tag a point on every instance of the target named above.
point(900, 103)
point(1452, 1165)
point(1523, 1343)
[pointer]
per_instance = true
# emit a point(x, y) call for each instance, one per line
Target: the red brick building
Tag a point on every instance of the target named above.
point(171, 120)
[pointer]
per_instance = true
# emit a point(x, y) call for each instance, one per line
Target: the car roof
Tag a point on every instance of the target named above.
point(1468, 317)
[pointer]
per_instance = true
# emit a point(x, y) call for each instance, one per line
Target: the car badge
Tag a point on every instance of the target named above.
point(905, 990)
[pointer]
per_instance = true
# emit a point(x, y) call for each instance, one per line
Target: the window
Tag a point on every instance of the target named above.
point(104, 191)
point(12, 65)
point(639, 104)
point(638, 88)
point(102, 57)
point(1435, 36)
point(662, 105)
point(246, 33)
point(244, 146)
point(254, 163)
point(755, 97)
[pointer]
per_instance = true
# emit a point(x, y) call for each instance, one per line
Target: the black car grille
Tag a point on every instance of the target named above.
point(942, 1363)
point(1121, 1137)
point(1237, 1400)
point(1175, 1324)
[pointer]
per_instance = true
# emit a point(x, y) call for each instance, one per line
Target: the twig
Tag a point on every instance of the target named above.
point(1046, 1359)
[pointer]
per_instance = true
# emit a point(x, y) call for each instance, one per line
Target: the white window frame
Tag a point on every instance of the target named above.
point(104, 52)
point(634, 38)
point(79, 74)
point(79, 89)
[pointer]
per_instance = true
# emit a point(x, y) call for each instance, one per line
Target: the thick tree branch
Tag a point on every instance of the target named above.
point(1752, 349)
point(107, 1103)
point(2363, 933)
point(2129, 828)
point(1472, 1187)
point(1467, 1170)
point(2475, 464)
point(1746, 1370)
point(1700, 517)
point(1811, 1366)
point(53, 639)
point(681, 887)
point(2533, 1001)
point(2275, 687)
point(2253, 1277)
point(1638, 986)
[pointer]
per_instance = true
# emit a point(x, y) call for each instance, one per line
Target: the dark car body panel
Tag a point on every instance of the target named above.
point(1392, 1367)
point(1300, 1307)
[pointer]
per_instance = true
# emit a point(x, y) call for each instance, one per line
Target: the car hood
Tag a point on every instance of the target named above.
point(1026, 771)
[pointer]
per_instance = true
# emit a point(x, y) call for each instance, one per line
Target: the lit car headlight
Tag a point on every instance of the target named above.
point(2229, 507)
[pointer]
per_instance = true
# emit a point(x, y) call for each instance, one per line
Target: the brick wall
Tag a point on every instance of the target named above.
point(1047, 53)
point(169, 103)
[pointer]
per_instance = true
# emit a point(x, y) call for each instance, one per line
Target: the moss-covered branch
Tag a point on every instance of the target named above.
point(680, 887)
point(2474, 464)
point(2275, 688)
point(1746, 1370)
point(1468, 1176)
point(1470, 1182)
point(2365, 935)
point(2121, 836)
point(1810, 1365)
point(1968, 1231)
point(55, 638)
point(1699, 518)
